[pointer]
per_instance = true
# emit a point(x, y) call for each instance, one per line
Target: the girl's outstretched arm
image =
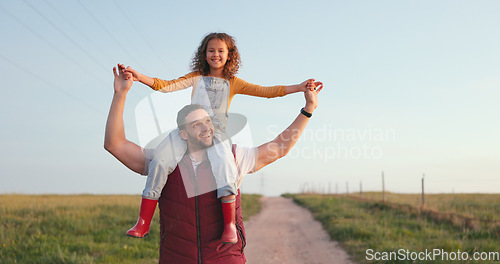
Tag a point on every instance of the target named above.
point(239, 86)
point(157, 84)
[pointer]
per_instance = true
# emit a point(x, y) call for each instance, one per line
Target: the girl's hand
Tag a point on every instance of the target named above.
point(123, 81)
point(311, 85)
point(304, 85)
point(133, 73)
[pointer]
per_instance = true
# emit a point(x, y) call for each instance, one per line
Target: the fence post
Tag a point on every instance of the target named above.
point(360, 189)
point(383, 187)
point(423, 193)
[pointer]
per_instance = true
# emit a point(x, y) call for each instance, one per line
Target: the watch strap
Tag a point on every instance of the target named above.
point(302, 111)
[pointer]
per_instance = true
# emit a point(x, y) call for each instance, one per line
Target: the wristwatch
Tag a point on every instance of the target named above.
point(302, 111)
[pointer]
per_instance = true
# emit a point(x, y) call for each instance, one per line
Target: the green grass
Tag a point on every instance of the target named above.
point(481, 206)
point(373, 225)
point(250, 205)
point(79, 229)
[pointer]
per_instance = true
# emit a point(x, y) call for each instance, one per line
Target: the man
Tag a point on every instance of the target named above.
point(191, 227)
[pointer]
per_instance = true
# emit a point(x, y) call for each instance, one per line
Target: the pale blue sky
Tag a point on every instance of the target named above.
point(415, 84)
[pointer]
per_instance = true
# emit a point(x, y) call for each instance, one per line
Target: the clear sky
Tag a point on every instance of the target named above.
point(411, 87)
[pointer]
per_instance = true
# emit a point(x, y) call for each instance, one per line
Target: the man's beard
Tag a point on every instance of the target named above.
point(197, 142)
point(202, 145)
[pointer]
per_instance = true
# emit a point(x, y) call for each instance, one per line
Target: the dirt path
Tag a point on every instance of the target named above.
point(284, 232)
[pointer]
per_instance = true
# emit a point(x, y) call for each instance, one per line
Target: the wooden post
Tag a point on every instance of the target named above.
point(383, 187)
point(346, 188)
point(360, 189)
point(423, 193)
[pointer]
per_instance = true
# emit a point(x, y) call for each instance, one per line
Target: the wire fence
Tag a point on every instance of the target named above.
point(466, 210)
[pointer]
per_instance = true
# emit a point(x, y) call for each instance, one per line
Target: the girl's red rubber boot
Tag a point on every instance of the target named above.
point(141, 228)
point(229, 236)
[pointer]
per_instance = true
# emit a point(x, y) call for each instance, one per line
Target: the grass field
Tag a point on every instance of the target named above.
point(79, 229)
point(363, 225)
point(481, 206)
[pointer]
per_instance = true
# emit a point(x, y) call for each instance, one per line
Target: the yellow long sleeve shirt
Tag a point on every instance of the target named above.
point(236, 86)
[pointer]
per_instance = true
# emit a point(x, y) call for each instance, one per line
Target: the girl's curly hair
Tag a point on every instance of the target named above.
point(200, 64)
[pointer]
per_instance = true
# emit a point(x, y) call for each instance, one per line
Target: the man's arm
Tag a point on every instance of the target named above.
point(283, 143)
point(115, 142)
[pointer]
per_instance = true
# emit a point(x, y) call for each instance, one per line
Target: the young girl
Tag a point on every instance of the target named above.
point(214, 83)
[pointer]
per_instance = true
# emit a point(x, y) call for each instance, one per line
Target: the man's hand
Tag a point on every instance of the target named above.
point(311, 95)
point(308, 84)
point(123, 81)
point(133, 73)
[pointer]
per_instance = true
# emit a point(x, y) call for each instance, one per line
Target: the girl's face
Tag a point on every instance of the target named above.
point(217, 54)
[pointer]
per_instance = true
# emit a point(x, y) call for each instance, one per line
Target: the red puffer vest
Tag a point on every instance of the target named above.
point(191, 227)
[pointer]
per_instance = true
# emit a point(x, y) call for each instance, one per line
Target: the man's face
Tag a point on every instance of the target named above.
point(199, 130)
